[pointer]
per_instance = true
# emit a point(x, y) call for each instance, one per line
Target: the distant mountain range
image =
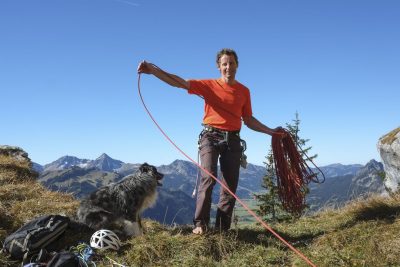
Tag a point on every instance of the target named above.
point(175, 204)
point(104, 163)
point(347, 183)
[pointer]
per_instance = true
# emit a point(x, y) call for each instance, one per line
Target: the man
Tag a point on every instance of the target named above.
point(227, 103)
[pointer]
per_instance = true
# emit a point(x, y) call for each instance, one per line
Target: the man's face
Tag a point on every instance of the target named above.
point(227, 66)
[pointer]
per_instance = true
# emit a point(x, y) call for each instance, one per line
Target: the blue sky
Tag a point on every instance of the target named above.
point(69, 85)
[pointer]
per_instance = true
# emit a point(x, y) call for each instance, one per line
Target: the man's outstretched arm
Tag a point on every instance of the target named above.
point(171, 79)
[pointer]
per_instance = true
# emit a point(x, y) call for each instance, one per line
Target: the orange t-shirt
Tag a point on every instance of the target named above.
point(225, 104)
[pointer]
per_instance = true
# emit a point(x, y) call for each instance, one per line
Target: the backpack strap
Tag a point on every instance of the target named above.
point(25, 245)
point(25, 259)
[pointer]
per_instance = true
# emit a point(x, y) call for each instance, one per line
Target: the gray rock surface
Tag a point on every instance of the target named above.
point(389, 149)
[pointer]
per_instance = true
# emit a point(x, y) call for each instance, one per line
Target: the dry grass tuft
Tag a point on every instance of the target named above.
point(22, 198)
point(25, 201)
point(15, 171)
point(375, 208)
point(390, 137)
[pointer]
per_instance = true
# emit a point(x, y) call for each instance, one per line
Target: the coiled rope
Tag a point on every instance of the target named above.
point(292, 173)
point(252, 213)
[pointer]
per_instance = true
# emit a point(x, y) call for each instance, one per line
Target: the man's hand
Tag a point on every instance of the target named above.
point(171, 79)
point(145, 67)
point(279, 131)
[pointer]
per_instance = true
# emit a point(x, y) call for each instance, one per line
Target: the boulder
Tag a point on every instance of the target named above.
point(389, 149)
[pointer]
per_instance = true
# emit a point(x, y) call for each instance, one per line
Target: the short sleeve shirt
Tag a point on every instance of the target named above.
point(225, 105)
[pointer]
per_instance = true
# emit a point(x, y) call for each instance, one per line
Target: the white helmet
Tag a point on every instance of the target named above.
point(105, 239)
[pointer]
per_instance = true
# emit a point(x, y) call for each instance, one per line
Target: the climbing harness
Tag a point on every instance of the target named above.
point(220, 137)
point(251, 212)
point(221, 141)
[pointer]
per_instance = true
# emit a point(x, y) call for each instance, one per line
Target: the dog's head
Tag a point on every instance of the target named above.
point(150, 169)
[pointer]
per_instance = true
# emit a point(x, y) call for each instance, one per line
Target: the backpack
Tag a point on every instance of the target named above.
point(35, 235)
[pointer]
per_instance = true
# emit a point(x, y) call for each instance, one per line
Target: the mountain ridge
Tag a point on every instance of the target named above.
point(343, 183)
point(330, 170)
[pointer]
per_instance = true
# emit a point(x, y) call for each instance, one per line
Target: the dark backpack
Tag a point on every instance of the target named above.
point(35, 235)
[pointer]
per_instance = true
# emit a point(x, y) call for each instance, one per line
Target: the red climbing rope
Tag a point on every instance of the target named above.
point(292, 172)
point(251, 212)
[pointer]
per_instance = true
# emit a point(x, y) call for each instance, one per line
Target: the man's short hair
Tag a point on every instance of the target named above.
point(229, 52)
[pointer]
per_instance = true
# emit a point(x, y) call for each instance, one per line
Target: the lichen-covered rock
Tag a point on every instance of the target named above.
point(389, 148)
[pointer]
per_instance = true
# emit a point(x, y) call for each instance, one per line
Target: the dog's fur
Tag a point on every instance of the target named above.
point(119, 205)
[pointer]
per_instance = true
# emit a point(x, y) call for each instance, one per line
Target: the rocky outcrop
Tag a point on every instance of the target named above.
point(15, 165)
point(15, 152)
point(389, 149)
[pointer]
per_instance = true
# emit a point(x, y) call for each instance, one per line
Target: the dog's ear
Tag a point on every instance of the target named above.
point(144, 167)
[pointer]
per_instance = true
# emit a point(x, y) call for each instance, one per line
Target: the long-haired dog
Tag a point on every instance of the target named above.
point(119, 205)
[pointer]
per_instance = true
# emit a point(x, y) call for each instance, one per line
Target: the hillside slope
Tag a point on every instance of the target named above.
point(363, 233)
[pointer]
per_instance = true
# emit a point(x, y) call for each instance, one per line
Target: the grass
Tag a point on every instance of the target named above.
point(363, 233)
point(390, 137)
point(244, 218)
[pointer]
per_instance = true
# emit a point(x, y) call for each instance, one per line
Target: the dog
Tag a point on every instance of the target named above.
point(119, 205)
